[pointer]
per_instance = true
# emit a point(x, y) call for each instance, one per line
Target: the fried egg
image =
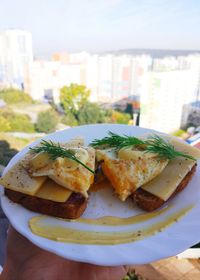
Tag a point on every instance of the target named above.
point(129, 169)
point(65, 172)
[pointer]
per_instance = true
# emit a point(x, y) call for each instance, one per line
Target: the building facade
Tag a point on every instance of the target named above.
point(16, 57)
point(162, 104)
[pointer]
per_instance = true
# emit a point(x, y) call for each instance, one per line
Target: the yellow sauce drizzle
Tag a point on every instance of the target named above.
point(117, 221)
point(40, 226)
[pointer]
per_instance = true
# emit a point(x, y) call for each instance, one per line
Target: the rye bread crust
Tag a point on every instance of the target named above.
point(73, 208)
point(150, 202)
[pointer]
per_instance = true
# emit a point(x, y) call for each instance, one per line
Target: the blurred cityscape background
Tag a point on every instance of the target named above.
point(156, 89)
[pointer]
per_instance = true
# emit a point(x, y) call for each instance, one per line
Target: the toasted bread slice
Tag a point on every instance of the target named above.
point(72, 208)
point(150, 202)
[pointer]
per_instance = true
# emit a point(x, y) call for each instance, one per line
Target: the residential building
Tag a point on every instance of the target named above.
point(168, 63)
point(90, 73)
point(48, 77)
point(140, 67)
point(105, 73)
point(16, 57)
point(162, 104)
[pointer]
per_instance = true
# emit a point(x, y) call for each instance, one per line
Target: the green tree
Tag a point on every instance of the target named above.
point(47, 121)
point(4, 124)
point(12, 96)
point(73, 97)
point(69, 119)
point(21, 123)
point(91, 113)
point(120, 118)
point(16, 121)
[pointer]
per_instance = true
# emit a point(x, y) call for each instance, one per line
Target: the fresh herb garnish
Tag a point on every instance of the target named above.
point(55, 150)
point(158, 145)
point(154, 144)
point(117, 141)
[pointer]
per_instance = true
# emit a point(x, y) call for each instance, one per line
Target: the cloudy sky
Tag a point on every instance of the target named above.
point(103, 25)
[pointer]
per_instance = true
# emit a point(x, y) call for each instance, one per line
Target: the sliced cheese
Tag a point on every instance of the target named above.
point(18, 179)
point(52, 191)
point(164, 185)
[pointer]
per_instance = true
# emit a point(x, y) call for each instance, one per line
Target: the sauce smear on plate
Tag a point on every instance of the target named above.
point(40, 226)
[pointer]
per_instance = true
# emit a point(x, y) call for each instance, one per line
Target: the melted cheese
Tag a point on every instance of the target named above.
point(18, 179)
point(166, 183)
point(52, 191)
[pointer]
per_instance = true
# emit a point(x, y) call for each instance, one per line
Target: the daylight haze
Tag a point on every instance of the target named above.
point(100, 25)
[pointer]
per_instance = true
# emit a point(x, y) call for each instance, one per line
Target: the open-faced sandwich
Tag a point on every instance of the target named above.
point(151, 169)
point(53, 178)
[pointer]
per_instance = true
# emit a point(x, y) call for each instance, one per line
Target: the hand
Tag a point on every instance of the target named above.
point(27, 261)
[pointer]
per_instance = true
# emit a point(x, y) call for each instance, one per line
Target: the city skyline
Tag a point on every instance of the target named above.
point(98, 26)
point(149, 83)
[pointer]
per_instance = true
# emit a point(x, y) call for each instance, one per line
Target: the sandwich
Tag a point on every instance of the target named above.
point(52, 178)
point(172, 180)
point(55, 178)
point(150, 169)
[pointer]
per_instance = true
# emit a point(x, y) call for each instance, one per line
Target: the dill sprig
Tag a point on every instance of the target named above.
point(116, 141)
point(55, 150)
point(154, 144)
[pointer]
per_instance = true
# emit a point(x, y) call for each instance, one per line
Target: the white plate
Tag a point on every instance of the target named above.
point(171, 241)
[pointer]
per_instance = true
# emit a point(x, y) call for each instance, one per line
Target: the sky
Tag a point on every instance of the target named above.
point(105, 25)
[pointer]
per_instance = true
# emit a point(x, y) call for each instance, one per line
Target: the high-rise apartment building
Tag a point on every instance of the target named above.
point(140, 67)
point(16, 56)
point(168, 63)
point(48, 77)
point(162, 103)
point(120, 76)
point(105, 77)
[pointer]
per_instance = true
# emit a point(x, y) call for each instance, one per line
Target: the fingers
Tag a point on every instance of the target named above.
point(22, 250)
